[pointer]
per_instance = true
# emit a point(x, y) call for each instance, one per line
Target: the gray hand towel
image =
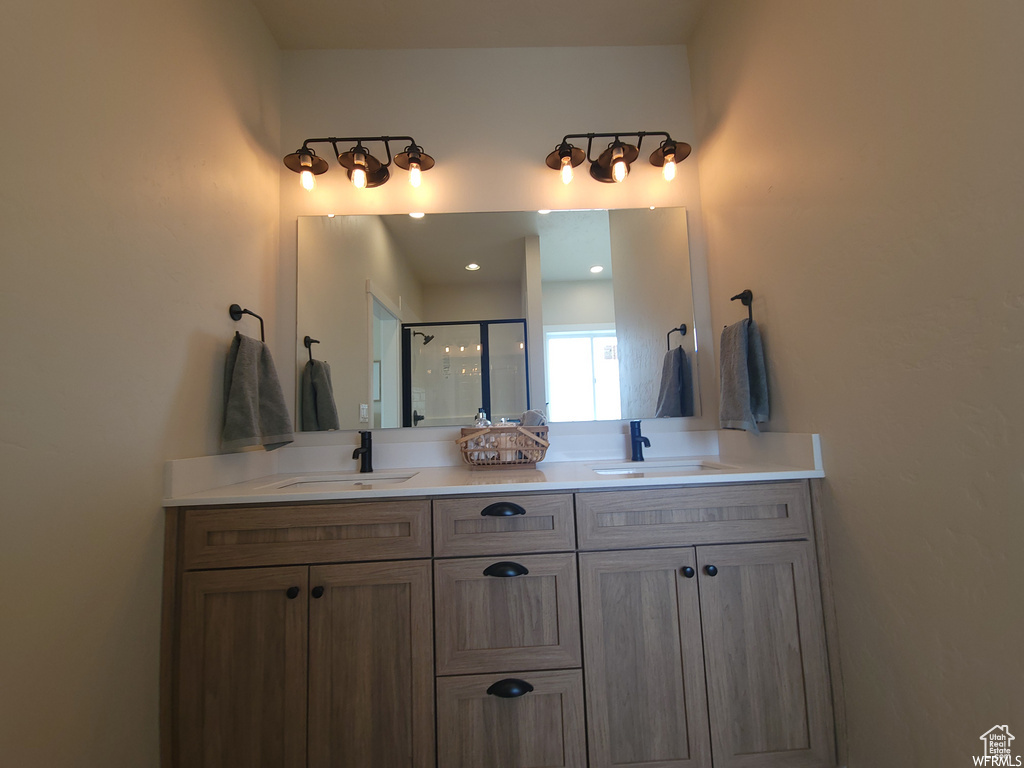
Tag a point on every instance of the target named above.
point(318, 413)
point(744, 383)
point(254, 408)
point(675, 397)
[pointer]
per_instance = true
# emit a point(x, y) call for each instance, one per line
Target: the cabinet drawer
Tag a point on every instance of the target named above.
point(542, 726)
point(702, 515)
point(228, 538)
point(500, 622)
point(496, 525)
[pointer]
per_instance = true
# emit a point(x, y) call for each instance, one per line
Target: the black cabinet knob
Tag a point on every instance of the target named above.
point(502, 509)
point(688, 572)
point(318, 592)
point(509, 688)
point(710, 570)
point(293, 592)
point(505, 570)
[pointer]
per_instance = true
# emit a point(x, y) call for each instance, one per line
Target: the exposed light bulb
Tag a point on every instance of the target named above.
point(668, 170)
point(308, 180)
point(414, 174)
point(520, 345)
point(447, 349)
point(478, 347)
point(566, 169)
point(359, 172)
point(619, 167)
point(462, 349)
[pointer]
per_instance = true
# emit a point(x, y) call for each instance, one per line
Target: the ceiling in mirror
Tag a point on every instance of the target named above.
point(598, 291)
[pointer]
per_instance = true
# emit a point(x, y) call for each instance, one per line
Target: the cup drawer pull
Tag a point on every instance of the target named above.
point(502, 509)
point(506, 569)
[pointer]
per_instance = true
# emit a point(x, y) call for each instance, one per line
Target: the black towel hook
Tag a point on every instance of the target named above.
point(746, 298)
point(308, 342)
point(681, 329)
point(236, 313)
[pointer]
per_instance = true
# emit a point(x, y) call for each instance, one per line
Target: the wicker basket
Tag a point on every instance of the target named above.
point(504, 447)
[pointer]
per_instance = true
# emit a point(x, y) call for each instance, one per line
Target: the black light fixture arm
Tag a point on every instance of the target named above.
point(334, 141)
point(613, 136)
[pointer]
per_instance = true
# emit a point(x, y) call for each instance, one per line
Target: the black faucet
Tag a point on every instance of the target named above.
point(365, 451)
point(637, 441)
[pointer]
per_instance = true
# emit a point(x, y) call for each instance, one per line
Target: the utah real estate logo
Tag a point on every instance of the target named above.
point(997, 750)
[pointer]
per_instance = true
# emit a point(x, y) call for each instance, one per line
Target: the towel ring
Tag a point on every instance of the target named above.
point(236, 313)
point(746, 298)
point(681, 329)
point(308, 342)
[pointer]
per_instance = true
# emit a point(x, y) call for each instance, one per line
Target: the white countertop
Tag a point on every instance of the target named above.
point(194, 482)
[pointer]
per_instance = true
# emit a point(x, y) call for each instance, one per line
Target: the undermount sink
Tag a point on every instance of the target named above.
point(338, 482)
point(659, 468)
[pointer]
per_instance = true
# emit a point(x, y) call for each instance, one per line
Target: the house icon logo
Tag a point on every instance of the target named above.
point(998, 749)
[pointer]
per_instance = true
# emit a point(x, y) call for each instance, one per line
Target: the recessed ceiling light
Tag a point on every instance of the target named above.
point(417, 215)
point(472, 267)
point(330, 215)
point(597, 268)
point(544, 212)
point(652, 207)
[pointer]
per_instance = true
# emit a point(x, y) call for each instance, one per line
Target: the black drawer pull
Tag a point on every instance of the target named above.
point(688, 572)
point(506, 569)
point(509, 688)
point(502, 509)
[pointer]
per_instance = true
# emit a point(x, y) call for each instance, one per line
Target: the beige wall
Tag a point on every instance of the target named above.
point(138, 199)
point(861, 170)
point(578, 302)
point(485, 301)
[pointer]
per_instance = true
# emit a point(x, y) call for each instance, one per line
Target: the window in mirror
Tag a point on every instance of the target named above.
point(582, 375)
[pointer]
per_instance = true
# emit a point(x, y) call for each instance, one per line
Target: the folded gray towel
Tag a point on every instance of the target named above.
point(254, 408)
point(318, 412)
point(533, 418)
point(744, 383)
point(675, 397)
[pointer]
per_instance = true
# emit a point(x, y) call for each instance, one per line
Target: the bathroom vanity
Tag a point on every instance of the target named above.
point(616, 621)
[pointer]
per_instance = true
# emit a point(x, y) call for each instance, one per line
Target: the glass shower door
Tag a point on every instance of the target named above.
point(444, 375)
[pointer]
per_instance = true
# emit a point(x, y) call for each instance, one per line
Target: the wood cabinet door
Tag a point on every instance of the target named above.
point(542, 726)
point(242, 669)
point(764, 648)
point(646, 701)
point(371, 652)
point(496, 614)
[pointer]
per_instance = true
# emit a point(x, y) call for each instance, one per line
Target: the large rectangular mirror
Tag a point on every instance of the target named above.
point(599, 294)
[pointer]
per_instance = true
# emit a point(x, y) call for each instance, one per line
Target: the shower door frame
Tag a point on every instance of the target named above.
point(485, 361)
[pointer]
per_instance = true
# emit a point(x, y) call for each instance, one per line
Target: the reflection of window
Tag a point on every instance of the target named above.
point(582, 375)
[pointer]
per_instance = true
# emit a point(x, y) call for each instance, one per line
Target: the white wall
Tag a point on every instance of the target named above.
point(576, 302)
point(861, 170)
point(489, 117)
point(138, 199)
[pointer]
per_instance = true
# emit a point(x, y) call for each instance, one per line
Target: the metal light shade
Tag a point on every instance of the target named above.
point(376, 172)
point(680, 149)
point(317, 165)
point(414, 154)
point(601, 169)
point(575, 154)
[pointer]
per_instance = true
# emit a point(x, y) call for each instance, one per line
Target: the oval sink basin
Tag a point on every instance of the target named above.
point(338, 482)
point(659, 468)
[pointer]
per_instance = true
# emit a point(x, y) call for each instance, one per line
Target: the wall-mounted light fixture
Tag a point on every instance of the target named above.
point(613, 164)
point(364, 170)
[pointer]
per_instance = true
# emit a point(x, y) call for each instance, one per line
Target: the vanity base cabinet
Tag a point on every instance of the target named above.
point(242, 669)
point(745, 619)
point(371, 662)
point(482, 725)
point(646, 704)
point(765, 656)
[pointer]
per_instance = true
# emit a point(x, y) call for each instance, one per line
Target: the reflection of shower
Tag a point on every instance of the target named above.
point(426, 339)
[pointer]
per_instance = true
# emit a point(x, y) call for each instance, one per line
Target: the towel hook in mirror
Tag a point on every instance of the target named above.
point(236, 314)
point(681, 329)
point(746, 298)
point(309, 342)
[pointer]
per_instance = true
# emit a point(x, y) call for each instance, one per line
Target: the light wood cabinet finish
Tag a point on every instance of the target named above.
point(371, 686)
point(687, 516)
point(764, 649)
point(540, 728)
point(493, 623)
point(646, 701)
point(281, 535)
point(547, 526)
point(242, 669)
